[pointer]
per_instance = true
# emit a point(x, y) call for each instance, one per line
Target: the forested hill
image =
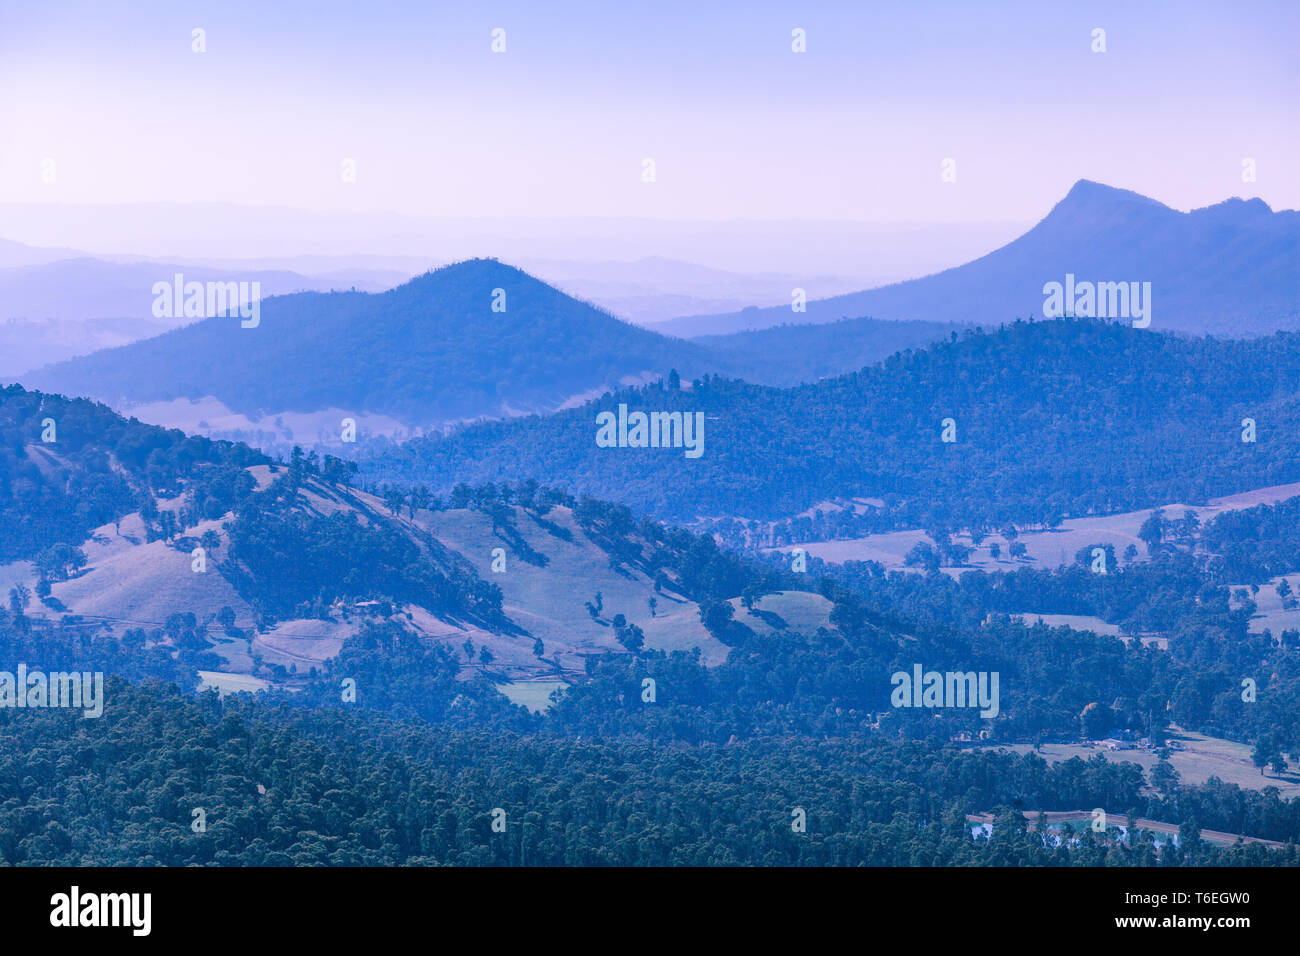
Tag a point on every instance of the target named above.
point(474, 338)
point(70, 465)
point(1050, 419)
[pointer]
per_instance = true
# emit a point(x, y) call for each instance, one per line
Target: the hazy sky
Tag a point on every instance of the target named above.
point(738, 125)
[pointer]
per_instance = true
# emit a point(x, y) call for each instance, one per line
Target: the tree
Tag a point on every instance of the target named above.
point(630, 636)
point(1153, 530)
point(922, 555)
point(59, 561)
point(1096, 720)
point(1266, 751)
point(954, 553)
point(1164, 777)
point(394, 498)
point(716, 616)
point(19, 595)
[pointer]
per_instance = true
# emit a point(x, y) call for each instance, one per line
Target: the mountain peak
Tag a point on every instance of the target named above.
point(1086, 193)
point(468, 270)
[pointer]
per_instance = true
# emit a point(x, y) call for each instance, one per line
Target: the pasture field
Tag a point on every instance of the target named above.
point(1198, 759)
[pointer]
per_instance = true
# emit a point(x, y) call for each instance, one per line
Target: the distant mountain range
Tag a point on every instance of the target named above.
point(430, 352)
point(1228, 269)
point(481, 339)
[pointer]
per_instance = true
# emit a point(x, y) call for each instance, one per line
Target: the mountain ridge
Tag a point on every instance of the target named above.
point(1229, 268)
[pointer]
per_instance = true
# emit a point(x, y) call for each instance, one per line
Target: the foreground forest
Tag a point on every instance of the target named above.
point(278, 785)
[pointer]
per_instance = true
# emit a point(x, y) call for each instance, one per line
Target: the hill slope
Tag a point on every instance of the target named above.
point(1232, 268)
point(106, 523)
point(1051, 419)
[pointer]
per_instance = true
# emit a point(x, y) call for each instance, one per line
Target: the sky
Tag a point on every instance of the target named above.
point(112, 100)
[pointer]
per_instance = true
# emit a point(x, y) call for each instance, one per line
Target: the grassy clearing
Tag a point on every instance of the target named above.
point(533, 694)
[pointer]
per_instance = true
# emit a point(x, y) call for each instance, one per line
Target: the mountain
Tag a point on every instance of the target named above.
point(76, 304)
point(431, 351)
point(1229, 269)
point(1050, 420)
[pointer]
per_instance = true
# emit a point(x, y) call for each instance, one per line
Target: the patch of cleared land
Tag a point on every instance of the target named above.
point(801, 612)
point(1086, 622)
point(1043, 548)
point(143, 584)
point(1198, 759)
point(209, 416)
point(1079, 622)
point(231, 683)
point(533, 694)
point(1272, 616)
point(546, 595)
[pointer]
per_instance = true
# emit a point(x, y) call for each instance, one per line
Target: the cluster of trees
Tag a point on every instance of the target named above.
point(1256, 544)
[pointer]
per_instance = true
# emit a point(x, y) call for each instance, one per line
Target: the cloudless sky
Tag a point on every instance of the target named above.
point(738, 125)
